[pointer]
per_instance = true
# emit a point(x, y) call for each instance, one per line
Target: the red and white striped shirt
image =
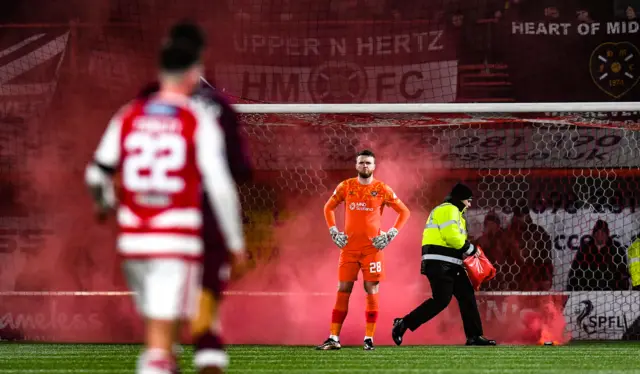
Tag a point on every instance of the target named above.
point(167, 149)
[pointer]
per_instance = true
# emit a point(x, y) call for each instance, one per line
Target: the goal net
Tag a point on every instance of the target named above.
point(555, 206)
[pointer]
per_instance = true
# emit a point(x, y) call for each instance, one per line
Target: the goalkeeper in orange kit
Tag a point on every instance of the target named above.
point(361, 243)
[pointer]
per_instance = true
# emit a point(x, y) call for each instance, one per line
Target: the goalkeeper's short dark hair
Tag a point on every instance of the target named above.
point(366, 152)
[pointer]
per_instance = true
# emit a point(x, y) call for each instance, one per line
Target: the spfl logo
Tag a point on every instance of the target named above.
point(592, 323)
point(613, 67)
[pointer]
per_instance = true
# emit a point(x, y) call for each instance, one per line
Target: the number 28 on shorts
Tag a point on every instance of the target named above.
point(375, 267)
point(352, 263)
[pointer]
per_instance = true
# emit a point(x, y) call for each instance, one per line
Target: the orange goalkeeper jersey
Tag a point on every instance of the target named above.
point(364, 204)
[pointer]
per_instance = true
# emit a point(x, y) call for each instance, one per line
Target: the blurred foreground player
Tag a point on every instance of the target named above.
point(219, 262)
point(168, 147)
point(210, 356)
point(361, 243)
point(444, 244)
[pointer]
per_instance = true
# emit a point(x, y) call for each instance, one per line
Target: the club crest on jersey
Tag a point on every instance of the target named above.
point(374, 193)
point(360, 206)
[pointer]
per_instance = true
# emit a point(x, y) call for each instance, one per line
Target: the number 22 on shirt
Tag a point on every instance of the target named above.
point(150, 161)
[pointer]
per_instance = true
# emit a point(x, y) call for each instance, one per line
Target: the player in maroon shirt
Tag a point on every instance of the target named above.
point(210, 356)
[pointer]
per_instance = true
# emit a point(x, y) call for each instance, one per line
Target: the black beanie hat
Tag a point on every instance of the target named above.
point(461, 192)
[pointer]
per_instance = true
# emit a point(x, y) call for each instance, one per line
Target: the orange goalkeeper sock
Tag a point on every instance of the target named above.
point(371, 314)
point(339, 312)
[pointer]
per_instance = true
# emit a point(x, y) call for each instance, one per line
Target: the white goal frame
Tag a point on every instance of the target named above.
point(555, 107)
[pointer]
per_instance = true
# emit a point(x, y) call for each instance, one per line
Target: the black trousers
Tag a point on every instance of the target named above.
point(447, 280)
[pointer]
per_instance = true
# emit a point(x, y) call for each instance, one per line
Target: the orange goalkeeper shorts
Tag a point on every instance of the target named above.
point(351, 262)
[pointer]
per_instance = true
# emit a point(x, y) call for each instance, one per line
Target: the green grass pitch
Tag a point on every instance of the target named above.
point(594, 357)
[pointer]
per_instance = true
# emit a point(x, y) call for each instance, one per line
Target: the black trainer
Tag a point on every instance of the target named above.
point(328, 345)
point(368, 345)
point(398, 330)
point(480, 340)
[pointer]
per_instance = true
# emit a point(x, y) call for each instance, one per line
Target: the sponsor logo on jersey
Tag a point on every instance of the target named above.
point(360, 206)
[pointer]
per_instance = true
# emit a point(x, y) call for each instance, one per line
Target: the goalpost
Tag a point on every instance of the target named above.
point(549, 177)
point(584, 108)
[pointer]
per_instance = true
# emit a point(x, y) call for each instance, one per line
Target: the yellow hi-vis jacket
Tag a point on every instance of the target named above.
point(634, 262)
point(445, 235)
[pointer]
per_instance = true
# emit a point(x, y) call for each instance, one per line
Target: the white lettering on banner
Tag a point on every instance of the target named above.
point(601, 118)
point(341, 81)
point(540, 28)
point(532, 147)
point(50, 320)
point(413, 83)
point(338, 47)
point(601, 315)
point(417, 42)
point(501, 311)
point(452, 146)
point(394, 44)
point(266, 83)
point(582, 29)
point(623, 27)
point(595, 315)
point(276, 45)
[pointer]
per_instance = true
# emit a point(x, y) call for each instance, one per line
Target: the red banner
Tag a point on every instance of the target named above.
point(345, 62)
point(367, 43)
point(30, 62)
point(513, 319)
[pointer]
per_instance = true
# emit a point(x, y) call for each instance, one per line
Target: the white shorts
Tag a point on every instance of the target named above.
point(164, 288)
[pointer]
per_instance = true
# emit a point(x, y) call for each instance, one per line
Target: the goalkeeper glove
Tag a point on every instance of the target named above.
point(338, 237)
point(383, 240)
